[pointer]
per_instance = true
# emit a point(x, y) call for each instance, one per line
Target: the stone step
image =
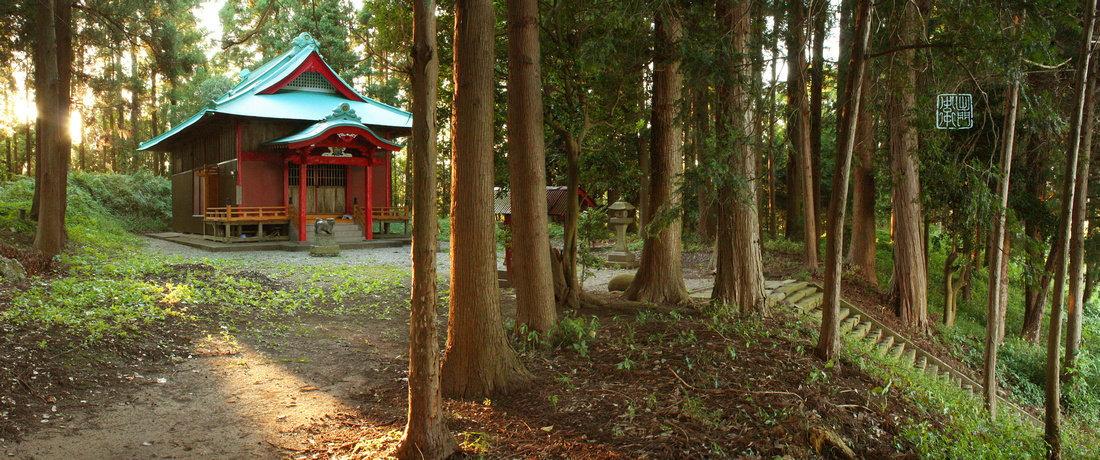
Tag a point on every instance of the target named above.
point(338, 228)
point(771, 285)
point(908, 357)
point(896, 351)
point(848, 323)
point(920, 362)
point(812, 301)
point(968, 388)
point(861, 330)
point(873, 336)
point(795, 296)
point(788, 288)
point(932, 369)
point(884, 345)
point(843, 313)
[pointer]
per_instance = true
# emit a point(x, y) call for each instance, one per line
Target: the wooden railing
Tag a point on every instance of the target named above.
point(292, 214)
point(359, 216)
point(247, 213)
point(391, 213)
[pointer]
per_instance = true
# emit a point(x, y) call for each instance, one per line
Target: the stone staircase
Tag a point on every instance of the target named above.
point(884, 343)
point(342, 232)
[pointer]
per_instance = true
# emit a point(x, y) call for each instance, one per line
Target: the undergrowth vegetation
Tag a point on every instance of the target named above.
point(1021, 367)
point(114, 289)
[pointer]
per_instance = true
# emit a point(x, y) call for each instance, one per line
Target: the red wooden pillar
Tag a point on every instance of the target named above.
point(389, 174)
point(302, 199)
point(240, 129)
point(389, 177)
point(368, 208)
point(286, 182)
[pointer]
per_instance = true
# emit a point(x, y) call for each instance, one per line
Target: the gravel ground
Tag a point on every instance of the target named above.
point(395, 257)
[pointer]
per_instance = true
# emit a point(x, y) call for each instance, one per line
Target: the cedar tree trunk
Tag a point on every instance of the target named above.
point(526, 168)
point(828, 344)
point(479, 360)
point(53, 70)
point(739, 280)
point(798, 130)
point(1076, 275)
point(994, 319)
point(426, 436)
point(1053, 425)
point(659, 278)
point(910, 280)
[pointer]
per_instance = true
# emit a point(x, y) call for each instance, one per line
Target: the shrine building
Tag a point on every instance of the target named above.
point(290, 143)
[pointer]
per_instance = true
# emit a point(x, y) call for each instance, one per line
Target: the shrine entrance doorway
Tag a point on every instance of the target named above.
point(326, 188)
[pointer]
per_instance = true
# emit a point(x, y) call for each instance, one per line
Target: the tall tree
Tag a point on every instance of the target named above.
point(909, 287)
point(739, 279)
point(828, 344)
point(1077, 297)
point(593, 83)
point(861, 251)
point(819, 13)
point(53, 71)
point(426, 436)
point(479, 360)
point(1053, 425)
point(659, 277)
point(533, 281)
point(994, 317)
point(798, 132)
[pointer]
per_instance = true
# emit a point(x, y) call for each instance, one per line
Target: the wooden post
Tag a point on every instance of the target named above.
point(368, 207)
point(302, 199)
point(286, 183)
point(240, 129)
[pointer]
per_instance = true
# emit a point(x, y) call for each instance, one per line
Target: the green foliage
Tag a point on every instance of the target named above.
point(783, 245)
point(575, 333)
point(15, 196)
point(142, 201)
point(591, 227)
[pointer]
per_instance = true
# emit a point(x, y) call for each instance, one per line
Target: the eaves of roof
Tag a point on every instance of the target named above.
point(244, 100)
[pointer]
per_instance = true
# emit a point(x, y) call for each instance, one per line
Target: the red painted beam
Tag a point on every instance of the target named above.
point(260, 156)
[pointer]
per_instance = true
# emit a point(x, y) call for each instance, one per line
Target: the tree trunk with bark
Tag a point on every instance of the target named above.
point(1053, 419)
point(426, 436)
point(862, 250)
point(53, 72)
point(659, 278)
point(1074, 313)
point(739, 280)
point(533, 281)
point(819, 9)
point(479, 360)
point(828, 344)
point(1035, 165)
point(798, 131)
point(910, 279)
point(701, 133)
point(951, 285)
point(994, 318)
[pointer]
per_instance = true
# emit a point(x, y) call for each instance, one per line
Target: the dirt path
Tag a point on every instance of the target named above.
point(248, 394)
point(233, 397)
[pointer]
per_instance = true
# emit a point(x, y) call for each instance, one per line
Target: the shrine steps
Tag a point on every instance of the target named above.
point(885, 346)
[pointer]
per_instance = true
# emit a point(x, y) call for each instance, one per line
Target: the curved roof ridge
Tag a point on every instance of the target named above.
point(245, 98)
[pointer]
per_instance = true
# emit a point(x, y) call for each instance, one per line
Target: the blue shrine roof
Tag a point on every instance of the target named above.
point(296, 85)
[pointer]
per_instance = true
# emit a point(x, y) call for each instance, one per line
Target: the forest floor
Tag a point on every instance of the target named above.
point(674, 383)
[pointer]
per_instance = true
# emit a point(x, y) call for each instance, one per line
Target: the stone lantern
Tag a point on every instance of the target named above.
point(620, 216)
